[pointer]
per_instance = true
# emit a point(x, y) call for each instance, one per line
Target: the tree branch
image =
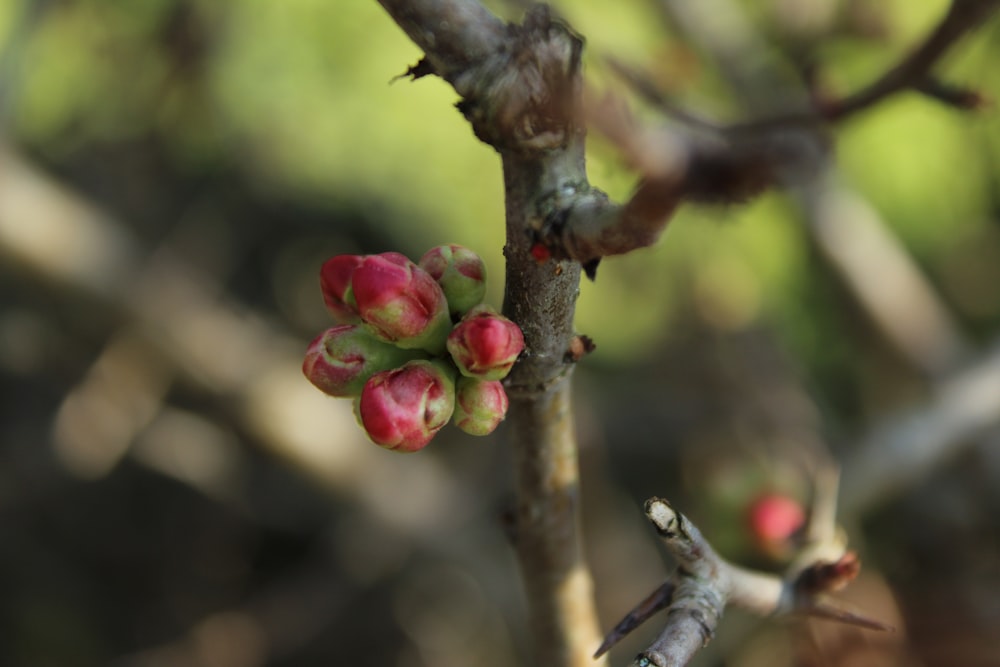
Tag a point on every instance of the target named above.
point(520, 89)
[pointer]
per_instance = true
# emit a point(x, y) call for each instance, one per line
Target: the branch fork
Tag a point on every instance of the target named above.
point(698, 161)
point(703, 584)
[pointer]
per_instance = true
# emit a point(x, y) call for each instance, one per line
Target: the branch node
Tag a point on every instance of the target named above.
point(524, 99)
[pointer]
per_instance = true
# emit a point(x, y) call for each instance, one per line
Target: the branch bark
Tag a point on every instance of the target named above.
point(520, 88)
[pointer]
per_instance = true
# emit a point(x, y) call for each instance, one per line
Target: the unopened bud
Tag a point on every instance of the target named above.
point(403, 408)
point(401, 302)
point(485, 344)
point(480, 405)
point(774, 520)
point(335, 282)
point(341, 359)
point(460, 272)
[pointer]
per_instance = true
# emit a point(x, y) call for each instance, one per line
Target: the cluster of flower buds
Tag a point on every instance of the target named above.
point(414, 345)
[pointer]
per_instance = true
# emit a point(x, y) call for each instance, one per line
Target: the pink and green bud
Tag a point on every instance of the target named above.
point(480, 405)
point(335, 281)
point(403, 408)
point(340, 360)
point(460, 272)
point(401, 302)
point(485, 344)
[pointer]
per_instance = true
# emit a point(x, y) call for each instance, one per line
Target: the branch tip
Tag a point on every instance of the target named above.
point(955, 96)
point(663, 516)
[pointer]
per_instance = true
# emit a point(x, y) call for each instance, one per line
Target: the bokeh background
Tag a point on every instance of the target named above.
point(173, 492)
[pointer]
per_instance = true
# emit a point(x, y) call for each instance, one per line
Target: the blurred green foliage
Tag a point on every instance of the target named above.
point(300, 96)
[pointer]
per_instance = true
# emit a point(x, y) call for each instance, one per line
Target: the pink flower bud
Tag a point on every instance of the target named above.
point(480, 405)
point(403, 408)
point(485, 344)
point(340, 360)
point(460, 272)
point(335, 281)
point(401, 302)
point(774, 519)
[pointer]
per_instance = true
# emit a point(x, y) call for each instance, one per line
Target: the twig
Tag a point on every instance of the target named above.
point(704, 583)
point(962, 16)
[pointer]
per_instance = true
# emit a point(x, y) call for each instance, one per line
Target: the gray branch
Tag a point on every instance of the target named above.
point(704, 583)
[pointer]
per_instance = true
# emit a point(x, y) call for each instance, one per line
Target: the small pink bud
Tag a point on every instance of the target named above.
point(774, 520)
point(335, 281)
point(485, 344)
point(401, 302)
point(340, 360)
point(541, 253)
point(480, 405)
point(403, 408)
point(460, 272)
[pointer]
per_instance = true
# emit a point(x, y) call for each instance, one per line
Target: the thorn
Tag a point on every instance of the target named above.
point(654, 602)
point(418, 71)
point(829, 612)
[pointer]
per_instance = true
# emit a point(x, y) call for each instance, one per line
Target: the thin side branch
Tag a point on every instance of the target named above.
point(727, 164)
point(914, 70)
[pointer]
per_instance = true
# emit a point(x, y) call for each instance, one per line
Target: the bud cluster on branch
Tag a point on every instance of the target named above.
point(414, 345)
